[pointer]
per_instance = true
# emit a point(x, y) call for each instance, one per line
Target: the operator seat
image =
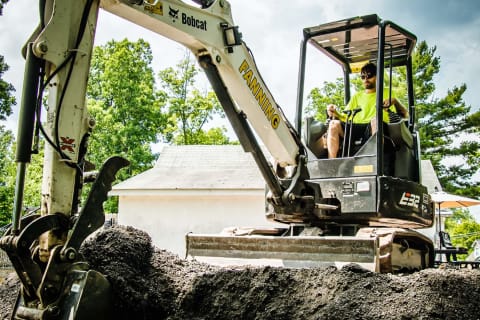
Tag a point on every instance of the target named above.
point(403, 144)
point(315, 137)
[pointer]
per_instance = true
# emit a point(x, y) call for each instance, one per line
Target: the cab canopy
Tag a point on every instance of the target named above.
point(355, 41)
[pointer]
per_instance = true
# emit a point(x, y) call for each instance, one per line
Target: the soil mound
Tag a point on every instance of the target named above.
point(150, 283)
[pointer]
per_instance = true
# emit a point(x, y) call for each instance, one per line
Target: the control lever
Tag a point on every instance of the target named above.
point(354, 113)
point(348, 129)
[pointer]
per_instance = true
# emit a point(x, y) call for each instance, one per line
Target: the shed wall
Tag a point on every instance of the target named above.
point(168, 219)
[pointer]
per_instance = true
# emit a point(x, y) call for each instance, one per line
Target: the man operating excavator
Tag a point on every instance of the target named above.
point(361, 111)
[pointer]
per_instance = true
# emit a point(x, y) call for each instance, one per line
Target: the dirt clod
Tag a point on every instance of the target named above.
point(150, 283)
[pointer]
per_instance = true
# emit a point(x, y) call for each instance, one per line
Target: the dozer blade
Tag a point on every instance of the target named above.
point(385, 250)
point(292, 251)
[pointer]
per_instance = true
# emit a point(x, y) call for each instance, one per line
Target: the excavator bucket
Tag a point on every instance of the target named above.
point(86, 294)
point(298, 251)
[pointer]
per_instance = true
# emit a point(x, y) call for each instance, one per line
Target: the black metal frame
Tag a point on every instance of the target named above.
point(351, 43)
point(358, 32)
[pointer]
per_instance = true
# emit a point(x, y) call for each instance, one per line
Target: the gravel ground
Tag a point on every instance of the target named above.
point(150, 283)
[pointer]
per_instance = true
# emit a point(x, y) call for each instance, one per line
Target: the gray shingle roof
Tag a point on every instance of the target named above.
point(429, 177)
point(216, 167)
point(198, 167)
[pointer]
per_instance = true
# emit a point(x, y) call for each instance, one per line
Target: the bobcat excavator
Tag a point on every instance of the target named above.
point(348, 209)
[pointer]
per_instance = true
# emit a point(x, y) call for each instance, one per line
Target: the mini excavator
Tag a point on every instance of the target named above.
point(349, 209)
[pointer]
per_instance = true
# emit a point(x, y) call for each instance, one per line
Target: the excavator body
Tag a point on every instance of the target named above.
point(366, 204)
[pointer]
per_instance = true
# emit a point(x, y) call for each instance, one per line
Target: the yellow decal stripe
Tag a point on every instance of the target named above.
point(259, 93)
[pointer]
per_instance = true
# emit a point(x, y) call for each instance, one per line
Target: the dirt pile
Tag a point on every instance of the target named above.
point(153, 284)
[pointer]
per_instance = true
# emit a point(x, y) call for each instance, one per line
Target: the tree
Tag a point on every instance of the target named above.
point(7, 170)
point(319, 98)
point(442, 122)
point(7, 175)
point(122, 98)
point(443, 125)
point(7, 100)
point(33, 179)
point(463, 228)
point(188, 109)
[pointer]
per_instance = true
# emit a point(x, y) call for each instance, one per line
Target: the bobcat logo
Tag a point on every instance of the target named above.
point(173, 13)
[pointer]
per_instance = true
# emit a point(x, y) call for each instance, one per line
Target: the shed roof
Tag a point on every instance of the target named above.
point(189, 167)
point(429, 177)
point(215, 167)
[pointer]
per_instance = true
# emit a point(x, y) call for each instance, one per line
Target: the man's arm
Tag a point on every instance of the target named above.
point(333, 112)
point(398, 105)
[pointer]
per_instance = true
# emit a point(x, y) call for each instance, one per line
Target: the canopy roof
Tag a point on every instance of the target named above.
point(354, 42)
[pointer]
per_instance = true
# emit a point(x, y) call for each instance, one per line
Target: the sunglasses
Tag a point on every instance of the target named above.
point(366, 76)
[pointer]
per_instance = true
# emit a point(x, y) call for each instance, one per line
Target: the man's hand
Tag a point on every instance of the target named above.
point(387, 104)
point(331, 110)
point(394, 102)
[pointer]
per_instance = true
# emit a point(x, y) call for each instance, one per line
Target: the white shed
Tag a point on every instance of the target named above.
point(195, 188)
point(202, 189)
point(430, 180)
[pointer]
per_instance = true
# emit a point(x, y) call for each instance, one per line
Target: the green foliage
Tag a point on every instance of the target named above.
point(463, 228)
point(33, 182)
point(7, 170)
point(189, 110)
point(212, 136)
point(122, 99)
point(448, 128)
point(33, 179)
point(319, 98)
point(7, 174)
point(7, 100)
point(425, 66)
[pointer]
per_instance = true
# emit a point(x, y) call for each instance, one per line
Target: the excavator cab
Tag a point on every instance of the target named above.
point(375, 180)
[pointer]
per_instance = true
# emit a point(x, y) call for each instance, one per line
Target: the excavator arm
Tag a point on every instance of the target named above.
point(56, 283)
point(209, 32)
point(63, 44)
point(211, 35)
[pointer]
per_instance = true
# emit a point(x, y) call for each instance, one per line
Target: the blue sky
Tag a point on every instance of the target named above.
point(273, 29)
